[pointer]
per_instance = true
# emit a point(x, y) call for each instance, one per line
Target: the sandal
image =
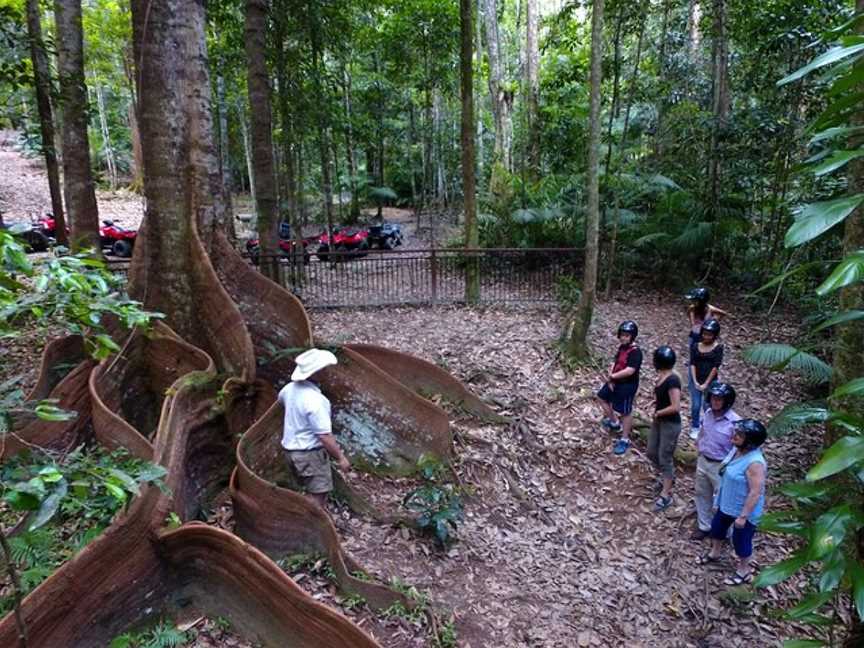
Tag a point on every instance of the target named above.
point(707, 558)
point(662, 503)
point(739, 579)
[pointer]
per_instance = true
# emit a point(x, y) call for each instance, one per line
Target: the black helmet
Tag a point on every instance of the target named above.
point(629, 326)
point(664, 357)
point(754, 432)
point(724, 391)
point(700, 295)
point(710, 326)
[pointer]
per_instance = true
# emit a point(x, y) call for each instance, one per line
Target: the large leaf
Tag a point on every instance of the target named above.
point(833, 568)
point(783, 522)
point(809, 604)
point(836, 160)
point(781, 571)
point(856, 575)
point(851, 388)
point(816, 218)
point(833, 55)
point(840, 318)
point(50, 505)
point(844, 453)
point(778, 357)
point(850, 270)
point(831, 133)
point(830, 529)
point(804, 643)
point(797, 415)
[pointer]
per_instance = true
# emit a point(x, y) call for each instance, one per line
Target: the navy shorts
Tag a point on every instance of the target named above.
point(742, 539)
point(621, 398)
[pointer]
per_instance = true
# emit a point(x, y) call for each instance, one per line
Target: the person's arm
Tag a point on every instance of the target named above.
point(691, 313)
point(332, 447)
point(717, 313)
point(711, 376)
point(718, 360)
point(693, 376)
point(626, 372)
point(674, 404)
point(755, 481)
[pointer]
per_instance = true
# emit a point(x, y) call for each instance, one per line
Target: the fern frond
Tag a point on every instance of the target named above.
point(778, 357)
point(694, 237)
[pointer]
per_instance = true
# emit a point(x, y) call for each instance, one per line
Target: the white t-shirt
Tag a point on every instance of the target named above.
point(307, 415)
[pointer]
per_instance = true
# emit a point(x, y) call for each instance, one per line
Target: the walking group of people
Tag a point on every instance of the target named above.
point(730, 468)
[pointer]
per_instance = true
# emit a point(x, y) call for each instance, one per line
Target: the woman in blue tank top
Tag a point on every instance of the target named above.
point(741, 498)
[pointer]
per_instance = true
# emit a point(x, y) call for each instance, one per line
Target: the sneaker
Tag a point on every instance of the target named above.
point(610, 424)
point(621, 446)
point(698, 535)
point(694, 433)
point(662, 503)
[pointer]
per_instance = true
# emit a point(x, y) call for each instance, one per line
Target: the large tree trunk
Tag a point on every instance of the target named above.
point(258, 81)
point(469, 191)
point(499, 90)
point(42, 81)
point(78, 186)
point(577, 333)
point(532, 72)
point(720, 103)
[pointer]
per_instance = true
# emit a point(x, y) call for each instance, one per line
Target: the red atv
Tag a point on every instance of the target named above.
point(118, 239)
point(112, 237)
point(346, 239)
point(286, 245)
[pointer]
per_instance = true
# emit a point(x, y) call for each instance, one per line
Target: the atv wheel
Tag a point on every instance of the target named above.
point(323, 252)
point(36, 241)
point(389, 243)
point(122, 249)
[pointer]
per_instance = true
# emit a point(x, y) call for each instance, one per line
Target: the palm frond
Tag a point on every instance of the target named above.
point(650, 239)
point(797, 415)
point(779, 357)
point(694, 237)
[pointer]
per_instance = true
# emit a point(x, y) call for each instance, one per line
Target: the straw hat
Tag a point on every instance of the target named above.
point(311, 361)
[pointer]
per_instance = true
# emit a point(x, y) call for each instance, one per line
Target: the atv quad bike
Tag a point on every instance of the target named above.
point(286, 245)
point(385, 236)
point(346, 239)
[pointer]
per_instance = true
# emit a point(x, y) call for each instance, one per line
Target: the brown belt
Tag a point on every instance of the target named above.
point(307, 450)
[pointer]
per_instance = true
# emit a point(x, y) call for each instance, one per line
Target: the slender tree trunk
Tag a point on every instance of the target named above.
point(137, 157)
point(42, 82)
point(661, 63)
point(224, 158)
point(107, 149)
point(326, 180)
point(577, 335)
point(500, 92)
point(427, 148)
point(720, 103)
point(532, 70)
point(247, 152)
point(349, 146)
point(78, 186)
point(694, 33)
point(258, 82)
point(469, 190)
point(616, 86)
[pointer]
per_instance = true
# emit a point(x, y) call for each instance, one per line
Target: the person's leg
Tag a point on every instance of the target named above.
point(719, 528)
point(606, 397)
point(669, 432)
point(318, 498)
point(695, 406)
point(654, 444)
point(742, 541)
point(704, 493)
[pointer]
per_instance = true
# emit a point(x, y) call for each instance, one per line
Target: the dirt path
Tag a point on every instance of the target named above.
point(561, 547)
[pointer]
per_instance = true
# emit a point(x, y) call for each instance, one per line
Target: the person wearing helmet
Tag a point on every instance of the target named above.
point(307, 433)
point(706, 356)
point(699, 310)
point(666, 424)
point(618, 392)
point(714, 443)
point(741, 499)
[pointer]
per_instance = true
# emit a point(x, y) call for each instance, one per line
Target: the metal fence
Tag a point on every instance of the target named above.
point(432, 276)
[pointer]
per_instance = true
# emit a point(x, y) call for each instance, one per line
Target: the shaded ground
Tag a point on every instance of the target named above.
point(560, 546)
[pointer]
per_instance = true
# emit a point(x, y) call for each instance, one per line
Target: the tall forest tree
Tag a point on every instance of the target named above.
point(469, 190)
point(576, 333)
point(258, 83)
point(532, 78)
point(500, 90)
point(78, 184)
point(42, 83)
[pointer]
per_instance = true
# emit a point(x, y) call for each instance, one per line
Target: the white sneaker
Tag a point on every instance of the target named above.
point(694, 433)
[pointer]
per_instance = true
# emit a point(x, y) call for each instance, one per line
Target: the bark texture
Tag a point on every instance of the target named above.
point(469, 189)
point(78, 186)
point(532, 74)
point(577, 329)
point(719, 103)
point(42, 82)
point(262, 139)
point(500, 91)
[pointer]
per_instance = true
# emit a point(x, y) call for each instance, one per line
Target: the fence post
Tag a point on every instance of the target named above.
point(433, 260)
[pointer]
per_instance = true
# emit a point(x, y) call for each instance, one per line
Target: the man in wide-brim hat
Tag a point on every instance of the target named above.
point(307, 432)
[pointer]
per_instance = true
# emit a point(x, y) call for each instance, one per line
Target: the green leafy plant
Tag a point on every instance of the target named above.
point(163, 635)
point(439, 504)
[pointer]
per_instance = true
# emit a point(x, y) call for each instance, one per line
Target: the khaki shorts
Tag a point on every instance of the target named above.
point(313, 469)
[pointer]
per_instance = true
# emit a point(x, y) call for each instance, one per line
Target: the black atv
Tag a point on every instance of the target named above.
point(385, 236)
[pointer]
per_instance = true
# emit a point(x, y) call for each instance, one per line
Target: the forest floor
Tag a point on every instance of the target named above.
point(560, 545)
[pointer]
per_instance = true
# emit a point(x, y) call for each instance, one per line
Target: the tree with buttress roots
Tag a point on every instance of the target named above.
point(197, 395)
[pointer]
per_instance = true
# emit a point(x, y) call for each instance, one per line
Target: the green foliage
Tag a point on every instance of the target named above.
point(780, 357)
point(163, 635)
point(438, 504)
point(79, 492)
